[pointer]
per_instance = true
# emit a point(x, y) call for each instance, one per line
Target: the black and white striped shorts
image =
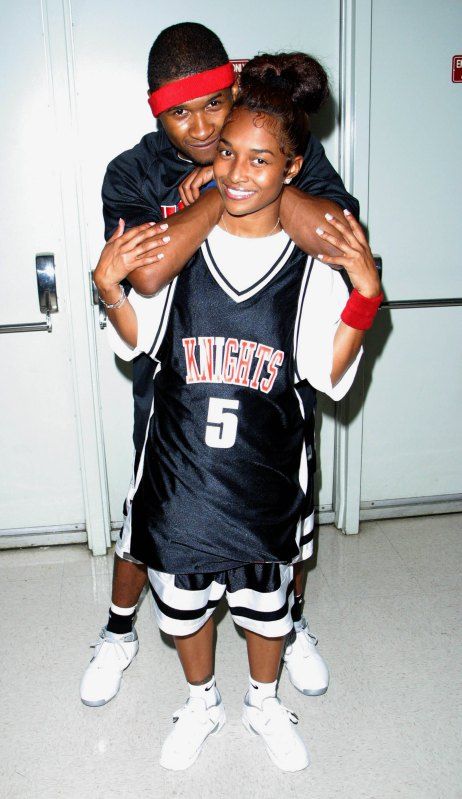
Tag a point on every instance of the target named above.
point(260, 597)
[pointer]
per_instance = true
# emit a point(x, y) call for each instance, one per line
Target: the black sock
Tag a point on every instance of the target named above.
point(297, 609)
point(120, 624)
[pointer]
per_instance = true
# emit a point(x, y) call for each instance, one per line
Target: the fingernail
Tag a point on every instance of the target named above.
point(346, 212)
point(320, 257)
point(160, 256)
point(121, 221)
point(319, 231)
point(166, 239)
point(151, 224)
point(329, 216)
point(164, 226)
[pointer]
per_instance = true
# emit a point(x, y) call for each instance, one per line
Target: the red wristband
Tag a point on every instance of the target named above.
point(359, 312)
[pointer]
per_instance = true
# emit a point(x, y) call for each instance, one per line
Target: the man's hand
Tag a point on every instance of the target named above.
point(189, 188)
point(125, 252)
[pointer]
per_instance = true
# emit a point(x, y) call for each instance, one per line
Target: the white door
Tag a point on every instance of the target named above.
point(113, 115)
point(50, 486)
point(41, 483)
point(411, 421)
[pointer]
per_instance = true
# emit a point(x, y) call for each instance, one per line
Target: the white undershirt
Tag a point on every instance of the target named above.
point(244, 261)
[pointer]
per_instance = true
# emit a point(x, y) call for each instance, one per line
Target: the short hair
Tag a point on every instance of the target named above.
point(183, 50)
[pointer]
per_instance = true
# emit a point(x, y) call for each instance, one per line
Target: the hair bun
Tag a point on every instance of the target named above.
point(298, 77)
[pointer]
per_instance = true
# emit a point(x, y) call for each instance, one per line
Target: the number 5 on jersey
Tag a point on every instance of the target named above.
point(221, 423)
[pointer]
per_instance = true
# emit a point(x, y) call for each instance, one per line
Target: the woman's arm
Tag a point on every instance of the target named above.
point(123, 253)
point(356, 258)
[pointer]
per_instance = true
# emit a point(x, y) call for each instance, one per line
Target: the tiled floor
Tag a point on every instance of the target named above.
point(386, 607)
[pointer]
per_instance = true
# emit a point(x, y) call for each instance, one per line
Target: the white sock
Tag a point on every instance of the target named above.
point(208, 692)
point(258, 691)
point(122, 611)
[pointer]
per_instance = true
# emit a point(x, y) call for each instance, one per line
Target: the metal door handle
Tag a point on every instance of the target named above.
point(48, 300)
point(97, 301)
point(451, 302)
point(397, 304)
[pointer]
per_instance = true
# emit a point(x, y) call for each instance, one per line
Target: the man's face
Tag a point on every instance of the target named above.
point(194, 127)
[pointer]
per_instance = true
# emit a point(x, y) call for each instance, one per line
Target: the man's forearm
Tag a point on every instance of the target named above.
point(301, 214)
point(187, 230)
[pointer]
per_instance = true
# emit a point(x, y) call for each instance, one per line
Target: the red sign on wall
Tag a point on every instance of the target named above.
point(457, 69)
point(238, 63)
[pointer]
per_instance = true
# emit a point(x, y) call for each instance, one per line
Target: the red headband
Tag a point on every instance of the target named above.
point(180, 91)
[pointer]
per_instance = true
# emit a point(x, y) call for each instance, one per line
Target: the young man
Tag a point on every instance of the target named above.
point(191, 92)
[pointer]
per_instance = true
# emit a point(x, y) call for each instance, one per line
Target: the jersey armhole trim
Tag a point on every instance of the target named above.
point(163, 321)
point(306, 280)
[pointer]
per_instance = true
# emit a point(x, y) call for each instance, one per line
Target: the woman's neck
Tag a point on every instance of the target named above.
point(259, 224)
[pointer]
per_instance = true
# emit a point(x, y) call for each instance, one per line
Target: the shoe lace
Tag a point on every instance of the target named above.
point(307, 636)
point(277, 713)
point(190, 716)
point(107, 651)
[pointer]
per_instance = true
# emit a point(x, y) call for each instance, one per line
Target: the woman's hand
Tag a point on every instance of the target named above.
point(190, 187)
point(125, 252)
point(356, 255)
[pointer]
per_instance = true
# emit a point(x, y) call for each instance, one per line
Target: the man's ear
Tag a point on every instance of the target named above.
point(235, 89)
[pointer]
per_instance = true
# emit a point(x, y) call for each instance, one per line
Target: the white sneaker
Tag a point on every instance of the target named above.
point(308, 671)
point(194, 722)
point(102, 677)
point(275, 724)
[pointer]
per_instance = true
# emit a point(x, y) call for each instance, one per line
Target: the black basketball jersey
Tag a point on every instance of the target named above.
point(141, 185)
point(220, 479)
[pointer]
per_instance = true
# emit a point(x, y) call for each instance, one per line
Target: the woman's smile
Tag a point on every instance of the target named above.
point(237, 193)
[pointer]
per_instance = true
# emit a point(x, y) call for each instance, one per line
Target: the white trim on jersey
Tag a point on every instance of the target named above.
point(322, 300)
point(124, 541)
point(233, 269)
point(152, 315)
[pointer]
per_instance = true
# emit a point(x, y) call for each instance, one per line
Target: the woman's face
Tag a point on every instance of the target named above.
point(249, 167)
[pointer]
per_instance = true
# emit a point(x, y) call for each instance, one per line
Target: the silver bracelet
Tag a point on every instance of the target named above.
point(115, 305)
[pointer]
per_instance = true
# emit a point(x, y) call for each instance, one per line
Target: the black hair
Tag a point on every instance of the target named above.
point(183, 50)
point(288, 87)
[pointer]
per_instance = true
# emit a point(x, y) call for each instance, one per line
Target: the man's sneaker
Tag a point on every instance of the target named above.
point(102, 677)
point(193, 723)
point(276, 725)
point(308, 671)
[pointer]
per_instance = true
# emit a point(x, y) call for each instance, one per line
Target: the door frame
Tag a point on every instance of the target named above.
point(59, 47)
point(355, 99)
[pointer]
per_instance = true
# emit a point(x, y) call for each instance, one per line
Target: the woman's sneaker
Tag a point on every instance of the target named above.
point(102, 677)
point(308, 671)
point(193, 723)
point(276, 726)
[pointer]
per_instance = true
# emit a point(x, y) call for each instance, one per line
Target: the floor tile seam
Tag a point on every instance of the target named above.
point(407, 568)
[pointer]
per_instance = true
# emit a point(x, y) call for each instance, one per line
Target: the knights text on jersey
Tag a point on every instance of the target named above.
point(219, 485)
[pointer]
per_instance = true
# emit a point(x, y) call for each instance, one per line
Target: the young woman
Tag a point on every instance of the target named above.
point(218, 496)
